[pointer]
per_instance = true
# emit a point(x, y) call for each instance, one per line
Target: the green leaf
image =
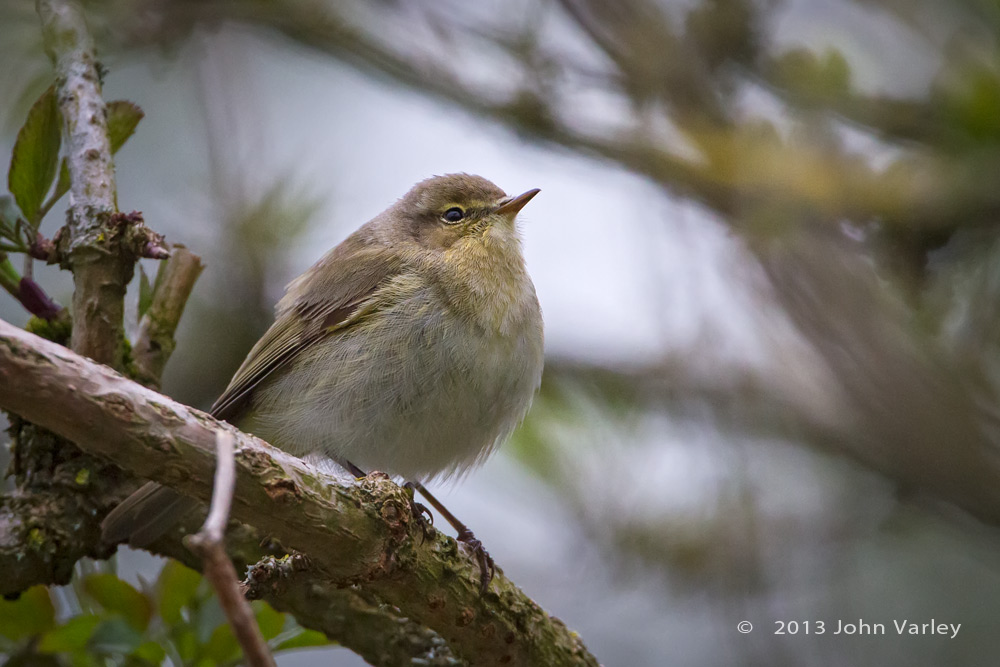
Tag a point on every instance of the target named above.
point(62, 185)
point(9, 214)
point(207, 617)
point(222, 645)
point(123, 117)
point(151, 652)
point(270, 621)
point(74, 635)
point(186, 644)
point(115, 635)
point(176, 588)
point(80, 659)
point(145, 291)
point(31, 614)
point(305, 638)
point(118, 596)
point(10, 279)
point(35, 157)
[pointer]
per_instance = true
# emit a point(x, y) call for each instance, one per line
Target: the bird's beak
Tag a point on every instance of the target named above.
point(511, 205)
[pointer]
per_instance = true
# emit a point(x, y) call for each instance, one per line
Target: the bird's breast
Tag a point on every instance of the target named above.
point(417, 389)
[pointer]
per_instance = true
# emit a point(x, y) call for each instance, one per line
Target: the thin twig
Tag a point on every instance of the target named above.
point(222, 494)
point(155, 342)
point(218, 569)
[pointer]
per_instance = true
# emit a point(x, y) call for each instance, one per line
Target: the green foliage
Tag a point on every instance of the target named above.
point(123, 118)
point(31, 614)
point(113, 623)
point(34, 163)
point(35, 157)
point(176, 588)
point(72, 636)
point(10, 279)
point(117, 596)
point(819, 79)
point(971, 104)
point(270, 621)
point(9, 215)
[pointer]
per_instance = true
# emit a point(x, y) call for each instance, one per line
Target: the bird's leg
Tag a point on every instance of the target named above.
point(487, 568)
point(353, 469)
point(420, 512)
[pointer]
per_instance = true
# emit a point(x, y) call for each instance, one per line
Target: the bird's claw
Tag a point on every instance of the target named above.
point(423, 517)
point(420, 513)
point(487, 568)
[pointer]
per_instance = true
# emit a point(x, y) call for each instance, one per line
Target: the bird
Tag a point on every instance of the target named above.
point(414, 348)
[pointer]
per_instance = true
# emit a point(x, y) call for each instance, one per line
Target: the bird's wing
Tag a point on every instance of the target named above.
point(323, 300)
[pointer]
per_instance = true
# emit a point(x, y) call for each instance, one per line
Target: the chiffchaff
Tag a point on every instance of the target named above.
point(414, 347)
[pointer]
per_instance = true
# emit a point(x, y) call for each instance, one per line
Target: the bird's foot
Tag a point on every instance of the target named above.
point(487, 568)
point(420, 513)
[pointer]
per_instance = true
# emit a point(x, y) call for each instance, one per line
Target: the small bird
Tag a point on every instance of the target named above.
point(414, 348)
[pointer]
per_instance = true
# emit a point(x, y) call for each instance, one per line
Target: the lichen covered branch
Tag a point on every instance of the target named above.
point(362, 535)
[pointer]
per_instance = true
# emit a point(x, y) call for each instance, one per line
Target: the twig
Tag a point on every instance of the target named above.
point(218, 569)
point(222, 495)
point(155, 342)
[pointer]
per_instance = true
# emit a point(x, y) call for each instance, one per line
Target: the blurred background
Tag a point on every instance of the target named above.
point(766, 249)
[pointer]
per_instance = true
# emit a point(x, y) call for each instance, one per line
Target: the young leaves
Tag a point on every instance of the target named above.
point(123, 118)
point(35, 156)
point(33, 166)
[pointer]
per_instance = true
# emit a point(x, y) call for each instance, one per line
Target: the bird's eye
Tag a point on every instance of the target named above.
point(453, 214)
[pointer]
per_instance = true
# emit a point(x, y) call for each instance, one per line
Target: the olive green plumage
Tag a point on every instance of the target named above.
point(414, 347)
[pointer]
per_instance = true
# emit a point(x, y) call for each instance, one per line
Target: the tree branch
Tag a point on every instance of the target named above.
point(377, 632)
point(361, 535)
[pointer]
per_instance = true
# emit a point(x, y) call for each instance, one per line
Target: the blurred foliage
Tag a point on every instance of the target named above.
point(106, 621)
point(240, 301)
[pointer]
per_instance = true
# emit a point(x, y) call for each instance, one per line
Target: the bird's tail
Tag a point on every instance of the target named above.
point(146, 515)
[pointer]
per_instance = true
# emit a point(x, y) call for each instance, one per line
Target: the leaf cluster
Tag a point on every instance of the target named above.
point(37, 178)
point(111, 622)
